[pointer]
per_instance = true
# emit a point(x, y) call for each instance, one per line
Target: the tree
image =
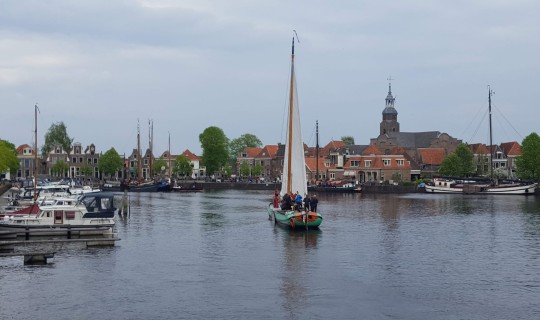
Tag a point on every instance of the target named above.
point(528, 163)
point(246, 140)
point(257, 170)
point(459, 163)
point(245, 169)
point(348, 140)
point(57, 134)
point(466, 160)
point(158, 164)
point(59, 168)
point(182, 166)
point(215, 146)
point(450, 166)
point(86, 170)
point(110, 162)
point(227, 170)
point(8, 157)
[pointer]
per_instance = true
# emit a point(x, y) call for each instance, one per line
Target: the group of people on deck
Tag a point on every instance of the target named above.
point(295, 201)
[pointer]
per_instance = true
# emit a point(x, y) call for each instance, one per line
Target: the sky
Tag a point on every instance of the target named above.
point(102, 66)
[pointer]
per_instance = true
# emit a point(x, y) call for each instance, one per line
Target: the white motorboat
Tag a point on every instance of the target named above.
point(92, 214)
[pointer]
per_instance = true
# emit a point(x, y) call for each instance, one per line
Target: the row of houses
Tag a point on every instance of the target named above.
point(369, 163)
point(83, 162)
point(392, 155)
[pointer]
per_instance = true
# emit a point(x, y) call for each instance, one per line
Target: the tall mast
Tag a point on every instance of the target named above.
point(291, 101)
point(317, 150)
point(151, 144)
point(170, 155)
point(139, 162)
point(490, 135)
point(35, 152)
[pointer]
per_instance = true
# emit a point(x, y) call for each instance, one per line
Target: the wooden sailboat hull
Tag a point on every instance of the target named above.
point(449, 186)
point(294, 219)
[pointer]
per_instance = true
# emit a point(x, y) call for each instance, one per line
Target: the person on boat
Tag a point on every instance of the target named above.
point(286, 202)
point(298, 201)
point(313, 203)
point(276, 199)
point(307, 203)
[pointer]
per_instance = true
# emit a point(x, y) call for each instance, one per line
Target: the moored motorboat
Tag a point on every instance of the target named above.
point(92, 214)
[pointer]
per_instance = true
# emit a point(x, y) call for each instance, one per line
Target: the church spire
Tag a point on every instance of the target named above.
point(389, 98)
point(389, 122)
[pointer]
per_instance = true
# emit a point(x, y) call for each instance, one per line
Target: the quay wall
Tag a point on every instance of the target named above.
point(231, 185)
point(392, 189)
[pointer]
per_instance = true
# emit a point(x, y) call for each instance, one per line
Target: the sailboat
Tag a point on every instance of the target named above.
point(470, 186)
point(294, 168)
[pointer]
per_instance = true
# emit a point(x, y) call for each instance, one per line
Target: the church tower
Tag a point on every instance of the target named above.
point(389, 121)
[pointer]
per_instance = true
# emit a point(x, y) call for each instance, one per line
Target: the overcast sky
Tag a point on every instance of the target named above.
point(99, 65)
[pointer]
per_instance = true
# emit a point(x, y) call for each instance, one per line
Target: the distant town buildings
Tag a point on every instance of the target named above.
point(392, 156)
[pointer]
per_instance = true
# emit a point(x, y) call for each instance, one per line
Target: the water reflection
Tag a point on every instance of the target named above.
point(298, 246)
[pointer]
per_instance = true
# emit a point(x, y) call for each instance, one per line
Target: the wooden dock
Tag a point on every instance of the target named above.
point(90, 242)
point(30, 257)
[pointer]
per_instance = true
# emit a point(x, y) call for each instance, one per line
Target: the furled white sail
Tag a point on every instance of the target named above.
point(294, 148)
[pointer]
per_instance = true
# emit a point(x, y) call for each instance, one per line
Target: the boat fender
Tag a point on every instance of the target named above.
point(292, 222)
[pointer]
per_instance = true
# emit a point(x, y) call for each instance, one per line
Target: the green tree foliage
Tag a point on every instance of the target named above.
point(450, 165)
point(57, 134)
point(348, 140)
point(246, 140)
point(110, 162)
point(215, 146)
point(8, 157)
point(60, 168)
point(528, 164)
point(459, 163)
point(182, 166)
point(227, 170)
point(245, 169)
point(257, 170)
point(158, 164)
point(86, 170)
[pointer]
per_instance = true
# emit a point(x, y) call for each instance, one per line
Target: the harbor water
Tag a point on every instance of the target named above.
point(216, 255)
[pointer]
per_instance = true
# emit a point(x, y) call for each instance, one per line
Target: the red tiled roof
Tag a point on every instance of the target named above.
point(332, 145)
point(22, 147)
point(511, 148)
point(311, 163)
point(432, 156)
point(268, 151)
point(251, 152)
point(479, 148)
point(397, 150)
point(372, 149)
point(188, 154)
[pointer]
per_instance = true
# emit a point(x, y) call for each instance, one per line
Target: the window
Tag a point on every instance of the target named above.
point(367, 163)
point(332, 176)
point(95, 160)
point(355, 163)
point(89, 161)
point(58, 216)
point(80, 160)
point(145, 161)
point(74, 160)
point(400, 162)
point(386, 162)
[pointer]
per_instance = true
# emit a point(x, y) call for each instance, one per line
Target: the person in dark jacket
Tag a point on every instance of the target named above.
point(307, 203)
point(313, 203)
point(286, 203)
